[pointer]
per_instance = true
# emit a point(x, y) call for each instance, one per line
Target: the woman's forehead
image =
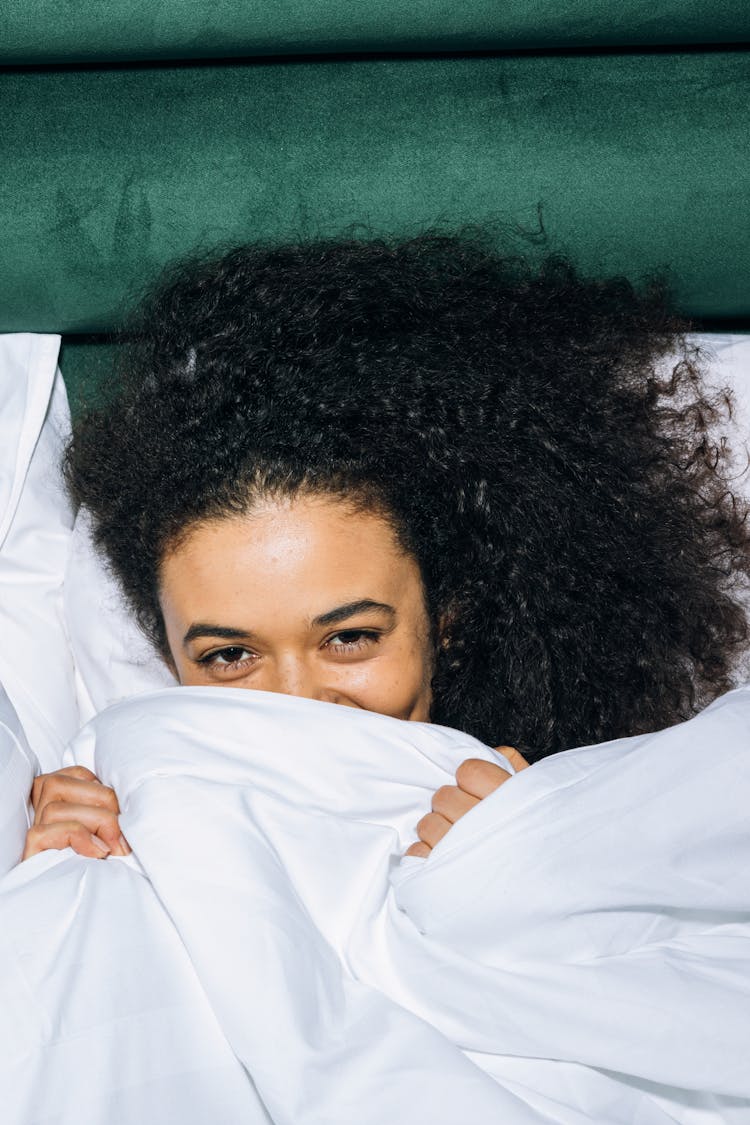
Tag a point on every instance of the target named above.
point(308, 556)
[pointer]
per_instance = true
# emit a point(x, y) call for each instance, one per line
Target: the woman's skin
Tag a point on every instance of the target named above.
point(307, 596)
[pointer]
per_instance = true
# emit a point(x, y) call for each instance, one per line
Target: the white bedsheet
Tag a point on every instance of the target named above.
point(576, 949)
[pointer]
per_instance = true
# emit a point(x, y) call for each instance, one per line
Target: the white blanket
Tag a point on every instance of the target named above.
point(576, 948)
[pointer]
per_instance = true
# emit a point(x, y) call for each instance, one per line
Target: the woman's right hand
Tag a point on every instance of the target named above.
point(72, 809)
point(476, 779)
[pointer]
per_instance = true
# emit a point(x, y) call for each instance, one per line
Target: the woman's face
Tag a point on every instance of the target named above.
point(306, 597)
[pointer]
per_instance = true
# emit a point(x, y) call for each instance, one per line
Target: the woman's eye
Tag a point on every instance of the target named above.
point(227, 657)
point(351, 640)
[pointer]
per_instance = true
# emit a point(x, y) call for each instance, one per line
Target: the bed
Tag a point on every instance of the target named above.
point(143, 989)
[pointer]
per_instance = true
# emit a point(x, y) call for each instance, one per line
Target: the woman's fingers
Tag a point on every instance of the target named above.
point(72, 809)
point(98, 821)
point(476, 780)
point(449, 803)
point(64, 834)
point(76, 785)
point(46, 780)
point(452, 802)
point(432, 828)
point(515, 757)
point(480, 778)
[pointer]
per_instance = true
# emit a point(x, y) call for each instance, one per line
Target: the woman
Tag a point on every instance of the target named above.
point(420, 478)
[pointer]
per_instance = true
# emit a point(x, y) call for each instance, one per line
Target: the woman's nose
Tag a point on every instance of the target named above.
point(294, 677)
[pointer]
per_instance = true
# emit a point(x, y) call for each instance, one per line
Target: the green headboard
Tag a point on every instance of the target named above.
point(134, 132)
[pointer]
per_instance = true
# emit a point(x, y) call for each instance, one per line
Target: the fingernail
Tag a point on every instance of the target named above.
point(100, 845)
point(125, 845)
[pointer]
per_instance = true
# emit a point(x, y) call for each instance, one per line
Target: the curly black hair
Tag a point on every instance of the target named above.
point(542, 442)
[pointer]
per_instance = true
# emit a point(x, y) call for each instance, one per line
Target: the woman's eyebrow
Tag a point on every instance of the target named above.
point(334, 616)
point(199, 629)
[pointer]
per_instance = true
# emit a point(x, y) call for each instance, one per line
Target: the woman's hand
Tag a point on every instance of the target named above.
point(476, 779)
point(74, 810)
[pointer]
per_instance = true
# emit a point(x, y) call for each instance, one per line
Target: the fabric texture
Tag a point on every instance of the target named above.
point(635, 162)
point(85, 30)
point(36, 520)
point(18, 767)
point(112, 658)
point(574, 950)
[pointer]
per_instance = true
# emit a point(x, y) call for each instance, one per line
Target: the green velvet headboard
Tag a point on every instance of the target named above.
point(136, 131)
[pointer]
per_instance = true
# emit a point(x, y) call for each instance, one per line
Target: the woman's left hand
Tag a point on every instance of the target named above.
point(476, 780)
point(72, 809)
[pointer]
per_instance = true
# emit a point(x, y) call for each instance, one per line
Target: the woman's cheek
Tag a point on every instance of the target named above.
point(396, 687)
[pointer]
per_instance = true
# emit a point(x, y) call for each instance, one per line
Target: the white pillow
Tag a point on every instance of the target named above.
point(729, 365)
point(49, 575)
point(113, 659)
point(36, 666)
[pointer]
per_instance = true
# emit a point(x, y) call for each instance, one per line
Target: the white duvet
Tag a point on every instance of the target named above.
point(576, 948)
